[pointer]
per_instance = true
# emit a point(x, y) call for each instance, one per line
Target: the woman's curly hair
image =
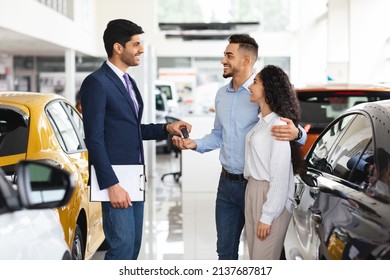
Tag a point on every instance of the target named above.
point(282, 99)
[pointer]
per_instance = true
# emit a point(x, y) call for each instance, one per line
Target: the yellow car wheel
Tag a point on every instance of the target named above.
point(77, 245)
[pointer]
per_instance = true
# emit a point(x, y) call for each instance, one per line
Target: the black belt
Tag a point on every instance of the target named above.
point(233, 177)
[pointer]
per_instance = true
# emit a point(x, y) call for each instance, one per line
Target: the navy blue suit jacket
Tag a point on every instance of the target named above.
point(113, 130)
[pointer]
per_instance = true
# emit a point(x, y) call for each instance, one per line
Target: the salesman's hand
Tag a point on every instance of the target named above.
point(174, 128)
point(183, 143)
point(287, 132)
point(119, 198)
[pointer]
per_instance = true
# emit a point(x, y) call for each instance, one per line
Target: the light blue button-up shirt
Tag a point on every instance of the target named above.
point(235, 115)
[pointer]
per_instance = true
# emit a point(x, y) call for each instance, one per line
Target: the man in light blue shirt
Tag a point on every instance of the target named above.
point(235, 116)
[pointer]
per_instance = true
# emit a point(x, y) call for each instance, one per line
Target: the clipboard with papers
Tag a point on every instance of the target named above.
point(131, 178)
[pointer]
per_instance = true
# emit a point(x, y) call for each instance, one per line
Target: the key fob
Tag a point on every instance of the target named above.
point(184, 132)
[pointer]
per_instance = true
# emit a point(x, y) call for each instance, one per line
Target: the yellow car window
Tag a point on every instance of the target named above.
point(63, 128)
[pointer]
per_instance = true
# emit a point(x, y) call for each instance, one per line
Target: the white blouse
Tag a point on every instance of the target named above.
point(267, 159)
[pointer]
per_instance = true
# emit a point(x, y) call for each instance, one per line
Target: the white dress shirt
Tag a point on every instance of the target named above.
point(267, 159)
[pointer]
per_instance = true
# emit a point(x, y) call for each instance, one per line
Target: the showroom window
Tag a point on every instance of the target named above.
point(202, 20)
point(64, 7)
point(274, 15)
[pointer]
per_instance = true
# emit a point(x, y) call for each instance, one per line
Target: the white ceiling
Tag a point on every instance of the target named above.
point(19, 44)
point(15, 43)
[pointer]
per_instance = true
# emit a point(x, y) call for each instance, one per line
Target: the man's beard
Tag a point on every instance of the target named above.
point(227, 75)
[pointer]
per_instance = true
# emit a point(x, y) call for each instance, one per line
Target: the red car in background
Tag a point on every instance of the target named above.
point(321, 104)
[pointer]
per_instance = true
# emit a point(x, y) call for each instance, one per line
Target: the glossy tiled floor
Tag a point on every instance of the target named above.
point(177, 226)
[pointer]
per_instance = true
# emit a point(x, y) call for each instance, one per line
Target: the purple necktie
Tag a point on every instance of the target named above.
point(129, 87)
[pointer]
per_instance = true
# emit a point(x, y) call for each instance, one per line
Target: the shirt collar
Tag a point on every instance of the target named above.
point(244, 85)
point(268, 118)
point(116, 70)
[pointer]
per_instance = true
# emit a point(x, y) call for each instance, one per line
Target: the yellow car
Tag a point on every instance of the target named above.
point(47, 127)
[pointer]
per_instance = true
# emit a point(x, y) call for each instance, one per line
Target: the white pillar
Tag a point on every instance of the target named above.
point(70, 75)
point(144, 74)
point(149, 75)
point(338, 61)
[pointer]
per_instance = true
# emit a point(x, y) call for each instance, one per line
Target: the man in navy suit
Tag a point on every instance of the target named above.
point(112, 112)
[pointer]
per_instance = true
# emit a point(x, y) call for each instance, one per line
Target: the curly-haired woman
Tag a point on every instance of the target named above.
point(270, 165)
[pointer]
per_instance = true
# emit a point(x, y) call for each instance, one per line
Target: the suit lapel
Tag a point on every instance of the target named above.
point(122, 89)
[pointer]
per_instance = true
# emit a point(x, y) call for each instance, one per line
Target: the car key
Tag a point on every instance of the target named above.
point(184, 132)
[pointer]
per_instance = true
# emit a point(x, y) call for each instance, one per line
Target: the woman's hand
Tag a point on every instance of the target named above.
point(263, 230)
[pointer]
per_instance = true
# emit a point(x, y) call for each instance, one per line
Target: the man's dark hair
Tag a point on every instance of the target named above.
point(246, 42)
point(119, 31)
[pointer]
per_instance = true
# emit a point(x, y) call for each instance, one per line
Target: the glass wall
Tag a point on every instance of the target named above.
point(197, 79)
point(64, 7)
point(274, 15)
point(47, 74)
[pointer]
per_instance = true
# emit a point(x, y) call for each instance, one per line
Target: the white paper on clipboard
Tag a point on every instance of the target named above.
point(131, 178)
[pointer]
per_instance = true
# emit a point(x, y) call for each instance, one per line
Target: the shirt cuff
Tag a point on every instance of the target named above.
point(266, 219)
point(165, 128)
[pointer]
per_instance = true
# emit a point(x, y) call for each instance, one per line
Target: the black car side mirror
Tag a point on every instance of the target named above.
point(309, 180)
point(42, 185)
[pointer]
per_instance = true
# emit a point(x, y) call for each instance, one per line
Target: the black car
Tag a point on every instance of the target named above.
point(343, 192)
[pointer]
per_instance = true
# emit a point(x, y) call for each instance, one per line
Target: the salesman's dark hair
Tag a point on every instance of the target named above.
point(119, 31)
